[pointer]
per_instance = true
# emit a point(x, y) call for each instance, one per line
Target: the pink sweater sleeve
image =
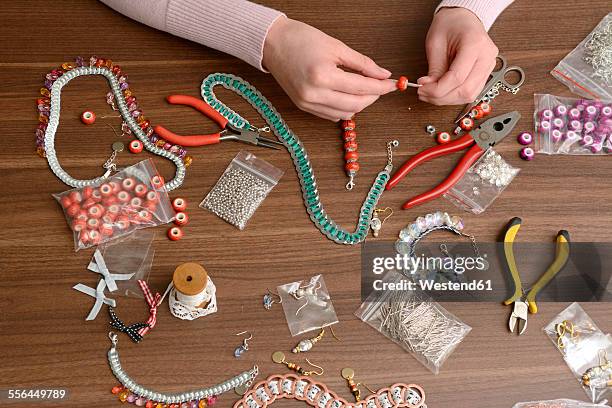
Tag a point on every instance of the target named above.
point(486, 10)
point(236, 27)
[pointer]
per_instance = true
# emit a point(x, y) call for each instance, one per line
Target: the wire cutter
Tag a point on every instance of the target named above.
point(228, 131)
point(476, 141)
point(522, 305)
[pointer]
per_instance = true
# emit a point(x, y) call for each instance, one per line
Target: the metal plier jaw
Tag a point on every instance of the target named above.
point(489, 133)
point(251, 135)
point(518, 317)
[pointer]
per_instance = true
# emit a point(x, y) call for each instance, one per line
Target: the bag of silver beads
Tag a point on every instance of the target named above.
point(482, 183)
point(413, 320)
point(131, 199)
point(587, 69)
point(241, 189)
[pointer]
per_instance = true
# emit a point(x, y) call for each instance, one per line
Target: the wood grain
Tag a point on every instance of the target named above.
point(46, 342)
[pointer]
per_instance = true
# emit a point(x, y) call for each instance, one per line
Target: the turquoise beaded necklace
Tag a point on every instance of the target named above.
point(308, 183)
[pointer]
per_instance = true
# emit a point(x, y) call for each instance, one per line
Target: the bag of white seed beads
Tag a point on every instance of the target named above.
point(573, 126)
point(241, 189)
point(587, 70)
point(414, 321)
point(587, 351)
point(558, 403)
point(130, 199)
point(482, 183)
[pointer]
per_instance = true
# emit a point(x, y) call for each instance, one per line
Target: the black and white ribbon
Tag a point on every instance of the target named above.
point(131, 330)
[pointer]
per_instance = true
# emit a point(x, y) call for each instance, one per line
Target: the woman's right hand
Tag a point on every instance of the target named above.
point(308, 64)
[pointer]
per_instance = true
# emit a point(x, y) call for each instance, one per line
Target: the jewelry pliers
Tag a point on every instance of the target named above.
point(228, 132)
point(477, 141)
point(523, 305)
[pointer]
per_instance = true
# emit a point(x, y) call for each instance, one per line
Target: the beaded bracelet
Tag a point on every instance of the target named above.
point(49, 114)
point(308, 183)
point(132, 392)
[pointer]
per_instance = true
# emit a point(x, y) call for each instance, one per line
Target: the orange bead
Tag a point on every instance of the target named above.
point(348, 124)
point(466, 124)
point(109, 64)
point(117, 389)
point(123, 395)
point(43, 101)
point(350, 146)
point(100, 62)
point(127, 93)
point(352, 166)
point(160, 143)
point(202, 404)
point(45, 92)
point(67, 66)
point(41, 152)
point(443, 137)
point(402, 83)
point(43, 119)
point(351, 156)
point(150, 404)
point(349, 135)
point(486, 108)
point(116, 70)
point(477, 113)
point(187, 160)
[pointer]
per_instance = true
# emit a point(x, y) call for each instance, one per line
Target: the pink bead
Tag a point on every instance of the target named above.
point(575, 125)
point(525, 138)
point(606, 111)
point(140, 402)
point(574, 114)
point(131, 398)
point(591, 111)
point(527, 153)
point(558, 123)
point(212, 400)
point(571, 135)
point(560, 111)
point(546, 114)
point(589, 127)
point(587, 140)
point(606, 122)
point(556, 135)
point(545, 126)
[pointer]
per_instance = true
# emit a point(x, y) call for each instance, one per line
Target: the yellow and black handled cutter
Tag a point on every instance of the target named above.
point(521, 306)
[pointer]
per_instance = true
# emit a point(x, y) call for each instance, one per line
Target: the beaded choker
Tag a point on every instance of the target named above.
point(132, 392)
point(120, 98)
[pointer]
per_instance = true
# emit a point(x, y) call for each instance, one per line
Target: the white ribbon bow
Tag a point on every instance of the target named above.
point(98, 294)
point(98, 265)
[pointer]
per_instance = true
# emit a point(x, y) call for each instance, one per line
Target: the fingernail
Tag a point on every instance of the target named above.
point(424, 80)
point(385, 71)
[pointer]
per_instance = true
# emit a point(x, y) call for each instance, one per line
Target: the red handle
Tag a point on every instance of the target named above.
point(187, 141)
point(429, 154)
point(200, 105)
point(464, 164)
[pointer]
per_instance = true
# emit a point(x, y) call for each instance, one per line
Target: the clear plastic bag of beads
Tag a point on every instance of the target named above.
point(414, 321)
point(131, 199)
point(482, 183)
point(241, 189)
point(587, 70)
point(572, 126)
point(307, 305)
point(558, 403)
point(587, 351)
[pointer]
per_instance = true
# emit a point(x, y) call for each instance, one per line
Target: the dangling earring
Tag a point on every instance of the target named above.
point(307, 291)
point(279, 358)
point(268, 299)
point(241, 349)
point(376, 223)
point(307, 344)
point(348, 374)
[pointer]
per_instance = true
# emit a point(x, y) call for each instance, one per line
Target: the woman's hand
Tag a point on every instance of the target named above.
point(307, 64)
point(461, 55)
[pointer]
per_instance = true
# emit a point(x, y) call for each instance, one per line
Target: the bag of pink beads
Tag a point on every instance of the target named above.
point(572, 126)
point(131, 199)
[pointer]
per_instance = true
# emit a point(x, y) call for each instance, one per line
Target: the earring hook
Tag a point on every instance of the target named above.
point(246, 339)
point(316, 366)
point(280, 299)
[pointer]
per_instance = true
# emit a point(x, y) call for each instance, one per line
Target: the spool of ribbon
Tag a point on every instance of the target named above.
point(192, 293)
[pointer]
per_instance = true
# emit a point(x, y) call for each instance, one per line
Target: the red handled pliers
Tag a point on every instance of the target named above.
point(476, 141)
point(228, 131)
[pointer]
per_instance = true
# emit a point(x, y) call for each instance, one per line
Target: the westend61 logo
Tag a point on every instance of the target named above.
point(411, 265)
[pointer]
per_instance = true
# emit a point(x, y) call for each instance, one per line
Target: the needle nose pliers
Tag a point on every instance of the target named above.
point(228, 131)
point(523, 305)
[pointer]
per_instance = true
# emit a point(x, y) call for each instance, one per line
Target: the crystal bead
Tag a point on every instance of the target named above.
point(405, 235)
point(109, 64)
point(202, 404)
point(122, 79)
point(402, 247)
point(239, 351)
point(150, 404)
point(123, 395)
point(160, 143)
point(116, 70)
point(43, 118)
point(45, 92)
point(457, 222)
point(438, 218)
point(174, 149)
point(124, 86)
point(211, 400)
point(414, 230)
point(140, 402)
point(429, 220)
point(421, 223)
point(166, 146)
point(187, 160)
point(131, 398)
point(446, 219)
point(127, 93)
point(41, 152)
point(136, 113)
point(92, 60)
point(67, 66)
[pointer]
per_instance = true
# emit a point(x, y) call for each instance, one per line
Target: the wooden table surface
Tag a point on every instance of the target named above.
point(45, 340)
